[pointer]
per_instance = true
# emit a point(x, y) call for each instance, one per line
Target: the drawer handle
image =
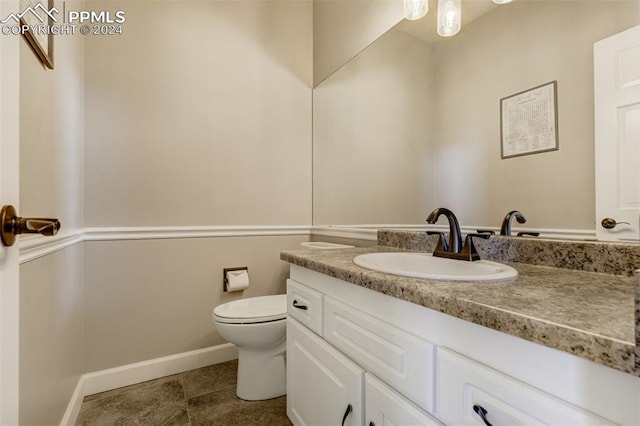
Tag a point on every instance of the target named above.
point(346, 413)
point(482, 413)
point(303, 307)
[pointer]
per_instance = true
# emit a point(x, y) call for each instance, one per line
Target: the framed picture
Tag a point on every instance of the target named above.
point(34, 14)
point(529, 121)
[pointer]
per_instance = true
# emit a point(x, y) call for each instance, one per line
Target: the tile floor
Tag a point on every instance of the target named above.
point(206, 396)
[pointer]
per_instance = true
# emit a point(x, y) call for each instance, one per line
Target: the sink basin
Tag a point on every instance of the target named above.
point(424, 265)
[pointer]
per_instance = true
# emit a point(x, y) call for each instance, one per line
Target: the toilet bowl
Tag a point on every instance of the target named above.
point(258, 327)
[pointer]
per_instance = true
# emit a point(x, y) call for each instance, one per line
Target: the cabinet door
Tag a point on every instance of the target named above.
point(386, 407)
point(321, 382)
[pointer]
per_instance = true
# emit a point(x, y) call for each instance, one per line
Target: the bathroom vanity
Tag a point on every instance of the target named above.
point(552, 346)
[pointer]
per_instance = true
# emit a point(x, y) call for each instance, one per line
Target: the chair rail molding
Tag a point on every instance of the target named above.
point(36, 246)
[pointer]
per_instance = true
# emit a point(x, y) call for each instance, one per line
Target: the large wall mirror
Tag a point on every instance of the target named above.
point(413, 121)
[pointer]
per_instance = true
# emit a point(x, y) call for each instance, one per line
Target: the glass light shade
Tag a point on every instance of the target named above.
point(415, 9)
point(502, 1)
point(449, 17)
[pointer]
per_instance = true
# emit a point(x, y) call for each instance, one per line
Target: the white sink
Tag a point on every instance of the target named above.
point(424, 265)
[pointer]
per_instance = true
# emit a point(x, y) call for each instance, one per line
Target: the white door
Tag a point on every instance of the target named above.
point(323, 386)
point(617, 136)
point(9, 149)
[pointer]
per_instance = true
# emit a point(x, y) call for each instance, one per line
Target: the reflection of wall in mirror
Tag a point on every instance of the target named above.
point(511, 49)
point(371, 137)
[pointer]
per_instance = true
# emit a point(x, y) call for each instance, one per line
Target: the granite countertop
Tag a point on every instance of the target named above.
point(587, 314)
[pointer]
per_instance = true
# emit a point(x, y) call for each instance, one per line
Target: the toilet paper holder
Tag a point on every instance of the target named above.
point(225, 280)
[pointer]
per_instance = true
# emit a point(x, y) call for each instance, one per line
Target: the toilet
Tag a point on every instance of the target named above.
point(258, 327)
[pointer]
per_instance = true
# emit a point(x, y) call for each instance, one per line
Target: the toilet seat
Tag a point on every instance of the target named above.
point(252, 310)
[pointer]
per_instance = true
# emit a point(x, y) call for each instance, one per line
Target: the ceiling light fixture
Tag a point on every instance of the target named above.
point(415, 9)
point(449, 17)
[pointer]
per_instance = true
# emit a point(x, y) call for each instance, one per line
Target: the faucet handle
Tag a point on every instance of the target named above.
point(469, 248)
point(529, 234)
point(443, 245)
point(484, 235)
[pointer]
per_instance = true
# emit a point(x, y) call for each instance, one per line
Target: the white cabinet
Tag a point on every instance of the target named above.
point(467, 389)
point(398, 363)
point(323, 386)
point(385, 407)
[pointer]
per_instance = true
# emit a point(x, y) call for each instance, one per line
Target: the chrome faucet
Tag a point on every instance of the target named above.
point(505, 229)
point(453, 248)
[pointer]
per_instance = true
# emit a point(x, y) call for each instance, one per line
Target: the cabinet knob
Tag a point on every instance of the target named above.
point(346, 413)
point(482, 413)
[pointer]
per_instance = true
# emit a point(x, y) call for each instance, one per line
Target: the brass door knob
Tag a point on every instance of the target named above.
point(12, 225)
point(610, 223)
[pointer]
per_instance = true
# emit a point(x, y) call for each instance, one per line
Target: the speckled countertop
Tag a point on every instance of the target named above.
point(587, 314)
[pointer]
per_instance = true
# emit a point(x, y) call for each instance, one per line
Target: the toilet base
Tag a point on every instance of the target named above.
point(261, 375)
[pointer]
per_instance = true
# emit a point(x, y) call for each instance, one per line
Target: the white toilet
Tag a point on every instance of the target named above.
point(258, 327)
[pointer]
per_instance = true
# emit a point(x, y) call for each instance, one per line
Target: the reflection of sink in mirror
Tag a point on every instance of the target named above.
point(321, 245)
point(424, 265)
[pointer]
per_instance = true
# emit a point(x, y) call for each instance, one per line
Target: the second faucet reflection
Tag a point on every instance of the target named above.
point(505, 229)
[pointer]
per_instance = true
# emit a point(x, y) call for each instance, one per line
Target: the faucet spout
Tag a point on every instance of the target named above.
point(455, 236)
point(505, 229)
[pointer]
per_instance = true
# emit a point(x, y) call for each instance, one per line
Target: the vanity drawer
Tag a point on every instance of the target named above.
point(464, 384)
point(402, 360)
point(305, 305)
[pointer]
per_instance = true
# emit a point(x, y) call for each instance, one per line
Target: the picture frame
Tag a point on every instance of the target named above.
point(529, 121)
point(40, 44)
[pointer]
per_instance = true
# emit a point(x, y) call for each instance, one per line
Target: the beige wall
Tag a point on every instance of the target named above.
point(511, 49)
point(372, 136)
point(51, 326)
point(200, 114)
point(147, 299)
point(51, 181)
point(52, 133)
point(343, 28)
point(197, 115)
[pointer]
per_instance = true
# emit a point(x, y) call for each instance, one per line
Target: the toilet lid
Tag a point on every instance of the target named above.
point(252, 310)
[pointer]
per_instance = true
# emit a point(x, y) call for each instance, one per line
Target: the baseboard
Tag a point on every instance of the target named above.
point(113, 378)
